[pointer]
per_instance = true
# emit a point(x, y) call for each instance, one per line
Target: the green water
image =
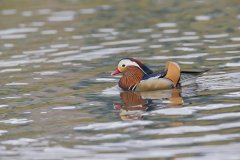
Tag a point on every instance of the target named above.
point(58, 100)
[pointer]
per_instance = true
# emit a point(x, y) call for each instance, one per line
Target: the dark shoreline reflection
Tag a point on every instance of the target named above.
point(136, 103)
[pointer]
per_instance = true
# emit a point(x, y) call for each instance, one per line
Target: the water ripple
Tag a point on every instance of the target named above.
point(21, 141)
point(221, 81)
point(145, 30)
point(41, 51)
point(190, 129)
point(235, 38)
point(166, 25)
point(173, 111)
point(65, 108)
point(101, 137)
point(8, 11)
point(192, 44)
point(87, 11)
point(202, 18)
point(223, 58)
point(14, 31)
point(16, 121)
point(233, 94)
point(3, 105)
point(3, 132)
point(173, 141)
point(62, 16)
point(220, 116)
point(10, 70)
point(185, 49)
point(216, 35)
point(132, 41)
point(106, 80)
point(16, 84)
point(225, 46)
point(179, 39)
point(49, 32)
point(48, 73)
point(13, 36)
point(44, 11)
point(115, 90)
point(59, 45)
point(170, 31)
point(90, 48)
point(55, 62)
point(102, 53)
point(65, 53)
point(20, 62)
point(232, 64)
point(112, 125)
point(194, 55)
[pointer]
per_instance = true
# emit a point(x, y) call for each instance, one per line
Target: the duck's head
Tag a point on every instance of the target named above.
point(123, 65)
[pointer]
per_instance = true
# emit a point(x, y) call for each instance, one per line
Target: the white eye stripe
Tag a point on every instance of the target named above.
point(128, 62)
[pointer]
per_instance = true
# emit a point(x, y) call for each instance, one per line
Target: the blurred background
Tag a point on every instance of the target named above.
point(58, 100)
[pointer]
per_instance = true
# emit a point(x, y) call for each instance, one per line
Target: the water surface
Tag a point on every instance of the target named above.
point(58, 100)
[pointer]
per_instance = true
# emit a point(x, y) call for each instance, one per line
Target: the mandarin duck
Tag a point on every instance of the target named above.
point(138, 77)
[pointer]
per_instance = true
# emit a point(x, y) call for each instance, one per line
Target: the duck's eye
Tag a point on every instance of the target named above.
point(123, 65)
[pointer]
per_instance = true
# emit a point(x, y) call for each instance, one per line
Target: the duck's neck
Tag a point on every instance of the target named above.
point(131, 78)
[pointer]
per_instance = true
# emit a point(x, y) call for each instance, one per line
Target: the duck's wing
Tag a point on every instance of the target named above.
point(161, 80)
point(154, 75)
point(187, 77)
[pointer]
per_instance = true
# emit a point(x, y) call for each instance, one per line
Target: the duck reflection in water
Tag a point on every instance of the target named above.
point(135, 104)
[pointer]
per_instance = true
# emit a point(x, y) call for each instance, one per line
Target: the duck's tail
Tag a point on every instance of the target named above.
point(173, 72)
point(198, 72)
point(189, 77)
